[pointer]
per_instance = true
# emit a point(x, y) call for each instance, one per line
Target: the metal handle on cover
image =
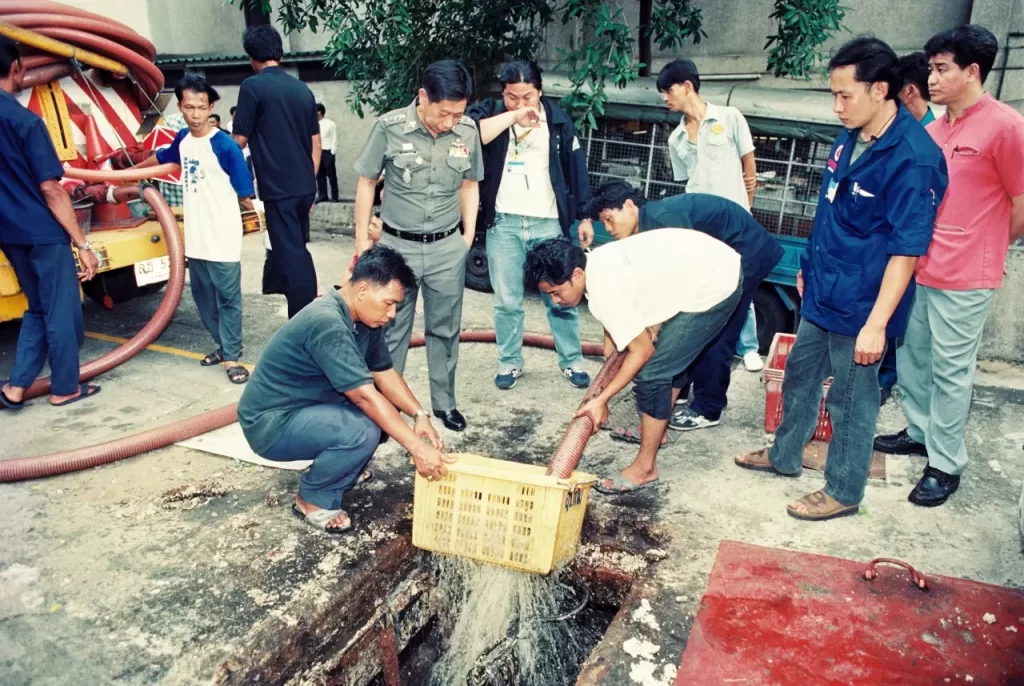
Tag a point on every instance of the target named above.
point(918, 579)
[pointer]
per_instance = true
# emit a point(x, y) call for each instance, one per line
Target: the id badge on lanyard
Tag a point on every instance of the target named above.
point(830, 193)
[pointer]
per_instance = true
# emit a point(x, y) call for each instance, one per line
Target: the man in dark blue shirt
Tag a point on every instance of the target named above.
point(36, 220)
point(624, 211)
point(880, 189)
point(276, 116)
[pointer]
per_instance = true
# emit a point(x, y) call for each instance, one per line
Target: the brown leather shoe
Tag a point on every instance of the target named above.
point(819, 506)
point(759, 461)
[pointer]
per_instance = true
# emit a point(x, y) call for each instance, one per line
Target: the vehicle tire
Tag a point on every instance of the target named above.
point(119, 285)
point(772, 317)
point(478, 275)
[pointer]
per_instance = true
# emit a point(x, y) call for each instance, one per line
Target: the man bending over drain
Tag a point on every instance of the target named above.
point(661, 296)
point(324, 389)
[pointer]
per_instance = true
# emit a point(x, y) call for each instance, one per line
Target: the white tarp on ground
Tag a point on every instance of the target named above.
point(229, 442)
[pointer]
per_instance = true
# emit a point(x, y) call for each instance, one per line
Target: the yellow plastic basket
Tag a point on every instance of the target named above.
point(502, 513)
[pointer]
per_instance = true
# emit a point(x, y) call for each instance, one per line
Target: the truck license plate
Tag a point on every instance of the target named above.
point(155, 270)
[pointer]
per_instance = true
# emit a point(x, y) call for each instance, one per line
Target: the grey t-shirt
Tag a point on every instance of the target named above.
point(313, 359)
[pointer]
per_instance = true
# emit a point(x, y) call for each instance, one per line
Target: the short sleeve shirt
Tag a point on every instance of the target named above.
point(712, 164)
point(27, 159)
point(984, 151)
point(423, 173)
point(277, 113)
point(213, 176)
point(647, 279)
point(316, 357)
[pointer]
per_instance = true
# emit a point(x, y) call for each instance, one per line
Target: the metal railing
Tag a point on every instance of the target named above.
point(788, 170)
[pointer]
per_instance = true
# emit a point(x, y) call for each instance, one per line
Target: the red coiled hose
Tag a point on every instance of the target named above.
point(89, 31)
point(563, 462)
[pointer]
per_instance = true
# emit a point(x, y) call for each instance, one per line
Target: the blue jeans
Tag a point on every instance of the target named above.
point(852, 401)
point(508, 241)
point(52, 326)
point(887, 370)
point(748, 336)
point(339, 438)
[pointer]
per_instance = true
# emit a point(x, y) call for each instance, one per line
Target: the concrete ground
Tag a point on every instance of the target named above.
point(172, 565)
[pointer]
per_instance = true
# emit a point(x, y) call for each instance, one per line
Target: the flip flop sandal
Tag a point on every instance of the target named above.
point(238, 374)
point(318, 519)
point(620, 485)
point(628, 434)
point(820, 507)
point(216, 357)
point(86, 390)
point(758, 461)
point(7, 402)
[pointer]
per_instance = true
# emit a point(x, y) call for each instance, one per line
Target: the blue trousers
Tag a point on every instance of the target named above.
point(508, 241)
point(748, 342)
point(852, 401)
point(887, 370)
point(712, 370)
point(339, 438)
point(52, 327)
point(217, 290)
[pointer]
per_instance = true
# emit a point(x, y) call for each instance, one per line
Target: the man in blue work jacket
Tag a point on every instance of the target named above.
point(37, 221)
point(881, 186)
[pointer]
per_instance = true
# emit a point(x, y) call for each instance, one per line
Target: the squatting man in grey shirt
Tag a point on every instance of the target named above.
point(325, 390)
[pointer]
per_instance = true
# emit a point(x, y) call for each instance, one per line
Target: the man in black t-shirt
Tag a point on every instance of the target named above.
point(276, 115)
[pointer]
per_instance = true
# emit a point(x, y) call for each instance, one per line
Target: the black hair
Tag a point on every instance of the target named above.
point(380, 265)
point(263, 43)
point(913, 69)
point(678, 71)
point(214, 115)
point(968, 44)
point(612, 195)
point(232, 111)
point(321, 109)
point(196, 84)
point(521, 71)
point(553, 262)
point(874, 62)
point(9, 54)
point(447, 80)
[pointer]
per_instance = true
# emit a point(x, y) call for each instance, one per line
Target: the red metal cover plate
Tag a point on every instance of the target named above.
point(780, 618)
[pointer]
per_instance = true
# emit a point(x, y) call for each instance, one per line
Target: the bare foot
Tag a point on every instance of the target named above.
point(339, 522)
point(15, 394)
point(633, 474)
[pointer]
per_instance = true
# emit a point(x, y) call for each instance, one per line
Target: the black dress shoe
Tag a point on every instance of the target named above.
point(934, 488)
point(452, 420)
point(899, 444)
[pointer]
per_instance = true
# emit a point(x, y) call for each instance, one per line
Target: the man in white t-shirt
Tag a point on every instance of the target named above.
point(328, 171)
point(713, 151)
point(661, 296)
point(215, 181)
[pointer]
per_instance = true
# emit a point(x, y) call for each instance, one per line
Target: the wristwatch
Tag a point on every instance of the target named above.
point(420, 413)
point(84, 246)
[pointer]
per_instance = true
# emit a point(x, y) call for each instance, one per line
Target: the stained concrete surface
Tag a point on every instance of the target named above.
point(107, 576)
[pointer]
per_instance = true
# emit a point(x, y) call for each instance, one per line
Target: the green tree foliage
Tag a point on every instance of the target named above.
point(803, 27)
point(382, 46)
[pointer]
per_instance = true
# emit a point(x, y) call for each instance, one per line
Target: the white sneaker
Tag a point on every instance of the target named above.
point(753, 362)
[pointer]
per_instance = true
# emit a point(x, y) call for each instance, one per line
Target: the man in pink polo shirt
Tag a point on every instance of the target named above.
point(980, 217)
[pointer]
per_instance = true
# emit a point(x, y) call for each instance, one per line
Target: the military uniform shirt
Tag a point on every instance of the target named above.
point(423, 174)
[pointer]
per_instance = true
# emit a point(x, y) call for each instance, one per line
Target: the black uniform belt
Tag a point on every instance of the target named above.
point(419, 237)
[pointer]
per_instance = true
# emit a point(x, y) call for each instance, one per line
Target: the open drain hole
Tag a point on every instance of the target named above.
point(477, 625)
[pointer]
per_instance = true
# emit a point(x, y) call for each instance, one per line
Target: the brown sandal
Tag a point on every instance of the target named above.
point(759, 461)
point(819, 507)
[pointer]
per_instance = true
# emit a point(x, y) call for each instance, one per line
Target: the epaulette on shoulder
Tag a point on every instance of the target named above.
point(394, 117)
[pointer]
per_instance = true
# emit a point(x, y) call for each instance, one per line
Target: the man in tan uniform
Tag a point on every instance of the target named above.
point(432, 163)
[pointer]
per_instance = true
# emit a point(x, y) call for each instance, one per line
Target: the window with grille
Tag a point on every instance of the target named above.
point(788, 170)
